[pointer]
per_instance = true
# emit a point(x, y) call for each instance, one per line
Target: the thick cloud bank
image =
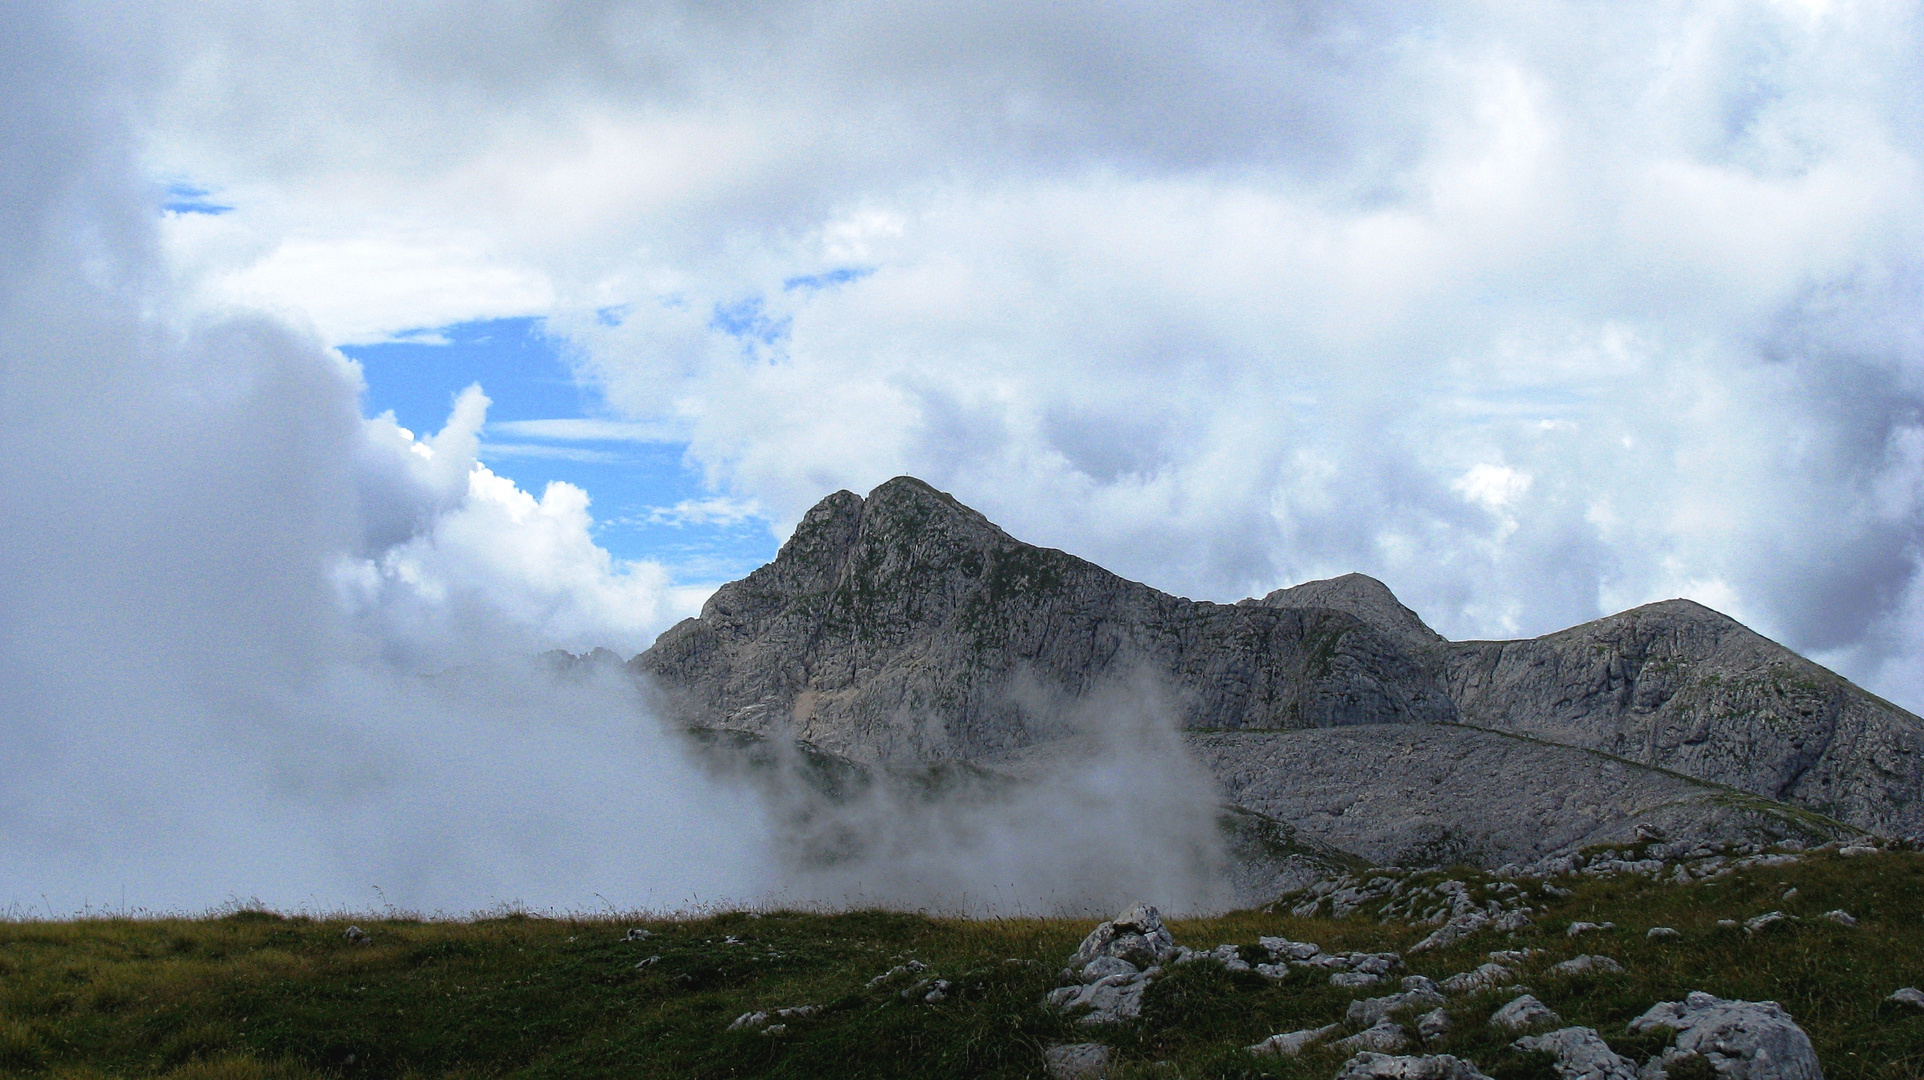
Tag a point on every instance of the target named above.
point(254, 646)
point(1534, 313)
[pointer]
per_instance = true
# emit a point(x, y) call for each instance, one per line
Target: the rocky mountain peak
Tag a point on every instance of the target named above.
point(1369, 600)
point(904, 627)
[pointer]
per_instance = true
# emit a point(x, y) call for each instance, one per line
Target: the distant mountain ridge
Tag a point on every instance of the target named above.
point(907, 628)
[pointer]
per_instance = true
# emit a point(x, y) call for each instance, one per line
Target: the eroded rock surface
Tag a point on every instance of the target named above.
point(1742, 1040)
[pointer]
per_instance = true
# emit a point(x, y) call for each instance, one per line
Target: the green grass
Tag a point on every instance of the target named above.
point(256, 995)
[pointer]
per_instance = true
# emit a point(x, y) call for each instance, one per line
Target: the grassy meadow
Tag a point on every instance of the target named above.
point(252, 994)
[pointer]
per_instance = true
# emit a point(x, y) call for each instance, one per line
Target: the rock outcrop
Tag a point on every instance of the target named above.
point(1743, 1040)
point(906, 629)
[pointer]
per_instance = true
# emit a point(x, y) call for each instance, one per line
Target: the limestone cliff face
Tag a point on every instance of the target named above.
point(907, 628)
point(1681, 687)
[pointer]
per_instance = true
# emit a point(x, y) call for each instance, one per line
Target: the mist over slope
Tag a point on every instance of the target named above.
point(904, 627)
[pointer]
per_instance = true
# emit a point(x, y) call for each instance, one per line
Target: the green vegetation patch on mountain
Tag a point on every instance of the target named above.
point(254, 994)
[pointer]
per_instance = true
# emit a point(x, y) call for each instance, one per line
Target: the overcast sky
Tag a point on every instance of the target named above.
point(1536, 312)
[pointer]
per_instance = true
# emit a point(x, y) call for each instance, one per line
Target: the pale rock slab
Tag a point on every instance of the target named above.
point(1742, 1040)
point(1077, 1061)
point(1371, 1066)
point(1581, 1054)
point(1523, 1013)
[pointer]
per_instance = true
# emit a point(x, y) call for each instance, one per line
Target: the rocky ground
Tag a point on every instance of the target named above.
point(1657, 958)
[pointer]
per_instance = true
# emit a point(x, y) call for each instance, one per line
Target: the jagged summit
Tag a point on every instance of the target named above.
point(907, 627)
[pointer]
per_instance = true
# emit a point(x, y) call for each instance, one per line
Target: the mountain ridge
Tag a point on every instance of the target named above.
point(905, 627)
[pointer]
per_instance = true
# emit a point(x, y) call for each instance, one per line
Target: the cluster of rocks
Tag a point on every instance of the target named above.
point(773, 1021)
point(1374, 1021)
point(922, 986)
point(1115, 964)
point(1680, 861)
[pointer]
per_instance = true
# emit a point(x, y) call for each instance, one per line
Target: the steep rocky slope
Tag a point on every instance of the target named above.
point(906, 628)
point(1682, 687)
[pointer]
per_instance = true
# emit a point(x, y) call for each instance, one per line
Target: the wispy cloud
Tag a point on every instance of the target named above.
point(719, 510)
point(494, 450)
point(585, 430)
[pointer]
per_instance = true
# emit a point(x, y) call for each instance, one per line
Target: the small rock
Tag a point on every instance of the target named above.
point(1840, 917)
point(1386, 1037)
point(1512, 920)
point(1555, 891)
point(1468, 982)
point(775, 1029)
point(1103, 966)
point(1137, 935)
point(749, 1020)
point(1909, 995)
point(1742, 1040)
point(1524, 1013)
point(1368, 1066)
point(1587, 965)
point(647, 963)
point(1370, 1011)
point(938, 992)
point(1434, 1024)
point(1854, 850)
point(1765, 921)
point(1586, 927)
point(1726, 924)
point(1292, 1043)
point(1455, 930)
point(637, 934)
point(1790, 892)
point(1076, 1061)
point(1354, 980)
point(1281, 948)
point(1658, 932)
point(1229, 957)
point(1581, 1054)
point(357, 936)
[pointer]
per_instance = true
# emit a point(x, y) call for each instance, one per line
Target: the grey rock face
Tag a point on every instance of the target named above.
point(1524, 1013)
point(1136, 936)
point(1587, 965)
point(1115, 964)
point(905, 628)
point(1679, 686)
point(1423, 794)
point(1370, 1011)
point(1076, 1061)
point(1581, 1054)
point(1369, 1066)
point(1742, 1040)
point(1385, 1036)
point(1292, 1043)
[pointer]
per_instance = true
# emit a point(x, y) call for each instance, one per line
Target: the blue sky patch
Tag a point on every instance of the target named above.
point(184, 198)
point(647, 500)
point(828, 279)
point(746, 319)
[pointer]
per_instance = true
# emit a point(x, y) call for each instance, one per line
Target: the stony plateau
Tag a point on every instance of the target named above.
point(905, 629)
